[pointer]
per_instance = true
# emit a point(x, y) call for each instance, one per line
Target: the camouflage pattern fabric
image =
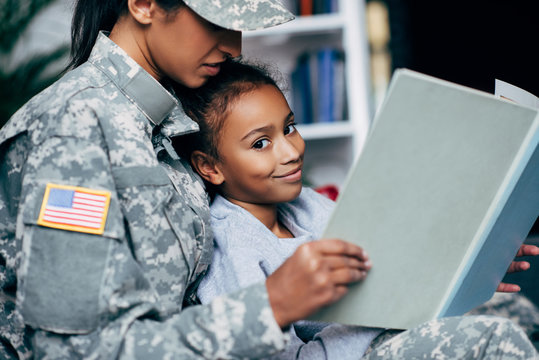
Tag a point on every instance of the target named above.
point(241, 15)
point(67, 294)
point(464, 337)
point(515, 307)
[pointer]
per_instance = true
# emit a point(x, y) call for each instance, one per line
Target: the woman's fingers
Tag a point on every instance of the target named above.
point(338, 262)
point(317, 274)
point(340, 247)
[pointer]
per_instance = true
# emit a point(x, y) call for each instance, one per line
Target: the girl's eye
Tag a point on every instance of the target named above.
point(289, 129)
point(260, 144)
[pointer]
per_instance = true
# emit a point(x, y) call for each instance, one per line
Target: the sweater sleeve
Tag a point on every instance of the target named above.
point(231, 269)
point(335, 341)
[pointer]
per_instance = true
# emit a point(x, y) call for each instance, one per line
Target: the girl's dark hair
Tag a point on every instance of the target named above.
point(209, 104)
point(90, 17)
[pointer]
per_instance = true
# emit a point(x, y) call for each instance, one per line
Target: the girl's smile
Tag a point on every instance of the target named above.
point(292, 176)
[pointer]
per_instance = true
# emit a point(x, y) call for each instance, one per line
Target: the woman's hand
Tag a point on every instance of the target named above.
point(317, 274)
point(517, 266)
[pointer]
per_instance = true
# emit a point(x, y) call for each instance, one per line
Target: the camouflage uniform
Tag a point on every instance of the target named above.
point(502, 335)
point(464, 337)
point(67, 294)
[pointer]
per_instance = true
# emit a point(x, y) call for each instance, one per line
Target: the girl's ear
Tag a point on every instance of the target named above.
point(141, 10)
point(207, 168)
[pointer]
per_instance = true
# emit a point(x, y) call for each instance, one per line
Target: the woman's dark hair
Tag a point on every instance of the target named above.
point(90, 17)
point(209, 104)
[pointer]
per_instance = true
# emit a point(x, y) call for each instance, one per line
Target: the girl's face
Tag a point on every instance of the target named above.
point(260, 150)
point(187, 48)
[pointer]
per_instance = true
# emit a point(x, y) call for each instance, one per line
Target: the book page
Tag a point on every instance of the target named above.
point(511, 92)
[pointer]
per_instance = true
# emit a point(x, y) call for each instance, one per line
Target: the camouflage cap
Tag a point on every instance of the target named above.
point(241, 15)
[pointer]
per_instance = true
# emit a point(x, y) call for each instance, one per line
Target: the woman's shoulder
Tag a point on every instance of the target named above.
point(65, 108)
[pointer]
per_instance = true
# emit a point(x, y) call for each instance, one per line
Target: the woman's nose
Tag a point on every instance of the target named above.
point(230, 43)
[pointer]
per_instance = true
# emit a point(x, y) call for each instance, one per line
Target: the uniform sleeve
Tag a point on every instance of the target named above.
point(87, 295)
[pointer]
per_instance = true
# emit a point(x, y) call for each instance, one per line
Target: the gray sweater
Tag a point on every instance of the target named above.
point(246, 252)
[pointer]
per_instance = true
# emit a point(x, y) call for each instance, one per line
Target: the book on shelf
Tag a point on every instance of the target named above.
point(318, 87)
point(312, 7)
point(301, 91)
point(325, 68)
point(442, 196)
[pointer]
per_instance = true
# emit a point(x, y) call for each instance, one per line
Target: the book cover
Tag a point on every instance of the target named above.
point(442, 196)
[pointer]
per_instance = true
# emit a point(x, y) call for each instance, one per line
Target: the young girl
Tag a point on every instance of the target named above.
point(251, 156)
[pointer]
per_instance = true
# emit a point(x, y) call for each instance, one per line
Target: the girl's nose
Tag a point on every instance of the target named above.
point(290, 152)
point(230, 43)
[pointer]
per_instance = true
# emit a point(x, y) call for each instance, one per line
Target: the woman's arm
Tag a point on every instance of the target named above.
point(87, 295)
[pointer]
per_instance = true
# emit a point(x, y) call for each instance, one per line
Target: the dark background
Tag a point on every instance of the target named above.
point(468, 42)
point(472, 43)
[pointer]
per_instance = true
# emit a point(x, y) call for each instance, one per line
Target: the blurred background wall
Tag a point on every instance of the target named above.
point(34, 48)
point(468, 42)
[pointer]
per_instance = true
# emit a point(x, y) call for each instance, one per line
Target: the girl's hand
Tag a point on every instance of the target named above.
point(317, 274)
point(517, 266)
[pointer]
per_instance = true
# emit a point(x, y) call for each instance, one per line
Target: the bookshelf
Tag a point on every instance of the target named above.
point(331, 146)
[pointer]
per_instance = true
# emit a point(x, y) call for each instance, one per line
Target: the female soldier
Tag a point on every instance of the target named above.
point(104, 229)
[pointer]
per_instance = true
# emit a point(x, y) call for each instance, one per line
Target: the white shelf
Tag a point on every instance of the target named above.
point(338, 129)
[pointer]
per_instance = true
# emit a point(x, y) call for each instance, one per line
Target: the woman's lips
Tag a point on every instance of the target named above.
point(212, 69)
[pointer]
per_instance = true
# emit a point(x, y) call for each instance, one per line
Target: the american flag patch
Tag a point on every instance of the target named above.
point(74, 208)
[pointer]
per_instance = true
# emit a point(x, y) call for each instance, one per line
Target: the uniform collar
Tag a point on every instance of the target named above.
point(158, 104)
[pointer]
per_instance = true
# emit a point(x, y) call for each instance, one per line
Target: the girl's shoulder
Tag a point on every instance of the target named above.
point(232, 225)
point(310, 211)
point(311, 201)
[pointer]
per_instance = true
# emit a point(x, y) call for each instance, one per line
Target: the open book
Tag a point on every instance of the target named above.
point(508, 91)
point(442, 196)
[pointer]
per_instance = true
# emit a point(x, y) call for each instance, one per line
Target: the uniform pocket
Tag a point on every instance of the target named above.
point(61, 272)
point(60, 280)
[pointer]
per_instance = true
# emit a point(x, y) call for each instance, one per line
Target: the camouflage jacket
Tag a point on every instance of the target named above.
point(116, 292)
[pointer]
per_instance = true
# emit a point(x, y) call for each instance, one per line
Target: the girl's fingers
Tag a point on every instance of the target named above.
point(517, 266)
point(528, 250)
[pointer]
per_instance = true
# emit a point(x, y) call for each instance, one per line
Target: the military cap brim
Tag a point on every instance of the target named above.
point(241, 15)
